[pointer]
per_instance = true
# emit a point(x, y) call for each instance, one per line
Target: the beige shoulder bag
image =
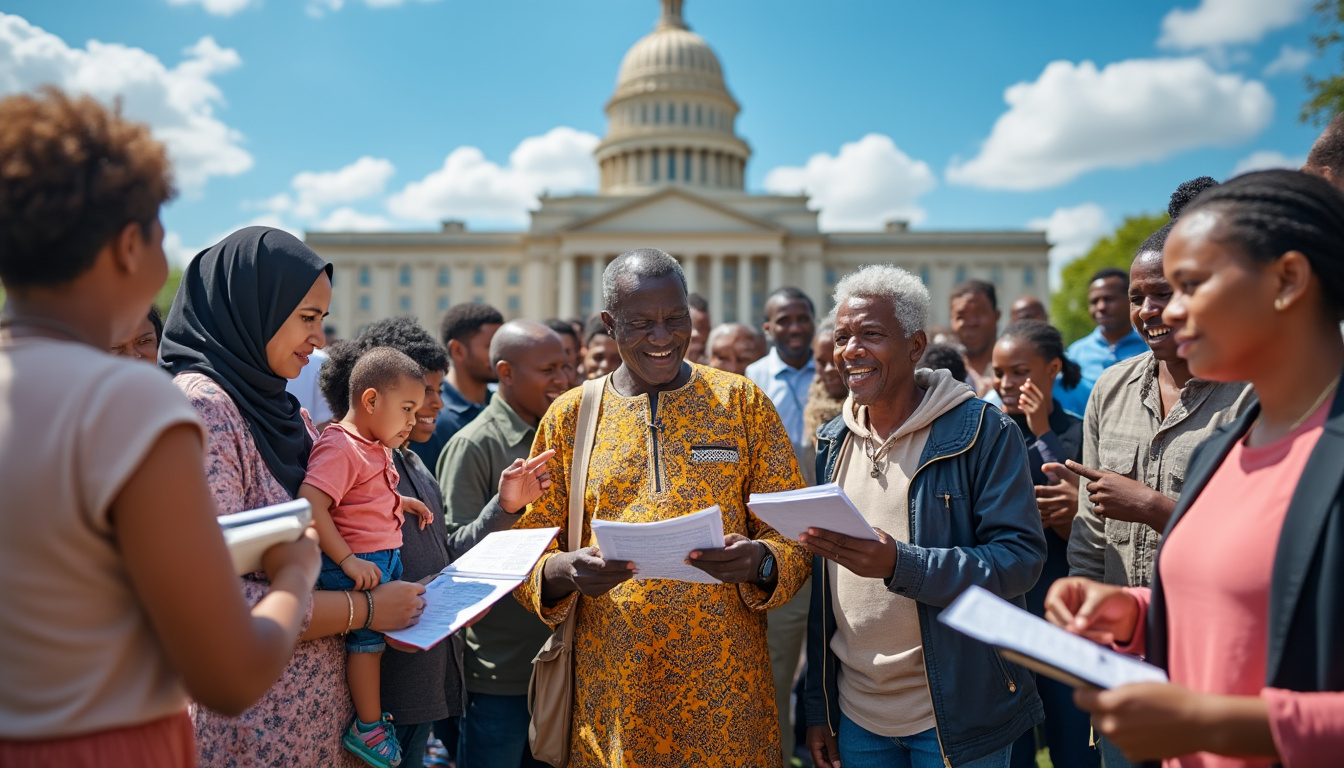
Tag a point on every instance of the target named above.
point(550, 693)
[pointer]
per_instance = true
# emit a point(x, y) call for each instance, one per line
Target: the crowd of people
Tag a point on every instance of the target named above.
point(1170, 486)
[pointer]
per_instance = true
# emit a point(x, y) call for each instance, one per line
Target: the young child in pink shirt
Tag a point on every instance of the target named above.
point(351, 484)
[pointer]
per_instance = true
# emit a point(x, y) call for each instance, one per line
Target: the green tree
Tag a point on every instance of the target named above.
point(164, 299)
point(1068, 306)
point(1327, 94)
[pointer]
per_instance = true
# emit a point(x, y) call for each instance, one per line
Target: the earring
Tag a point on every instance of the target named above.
point(1280, 303)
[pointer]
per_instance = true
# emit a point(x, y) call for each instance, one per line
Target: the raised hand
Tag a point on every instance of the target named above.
point(414, 506)
point(1102, 613)
point(738, 562)
point(872, 559)
point(1120, 498)
point(1035, 406)
point(523, 482)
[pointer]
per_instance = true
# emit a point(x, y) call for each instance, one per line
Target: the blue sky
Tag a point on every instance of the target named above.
point(343, 113)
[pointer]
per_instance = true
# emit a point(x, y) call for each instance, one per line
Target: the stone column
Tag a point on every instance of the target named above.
point(774, 276)
point(422, 294)
point(567, 280)
point(383, 279)
point(343, 302)
point(599, 263)
point(716, 288)
point(691, 266)
point(537, 302)
point(744, 314)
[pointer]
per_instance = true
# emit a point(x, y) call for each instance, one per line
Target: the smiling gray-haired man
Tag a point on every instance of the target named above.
point(943, 477)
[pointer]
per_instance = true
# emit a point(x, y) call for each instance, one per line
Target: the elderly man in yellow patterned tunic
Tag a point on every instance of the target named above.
point(667, 673)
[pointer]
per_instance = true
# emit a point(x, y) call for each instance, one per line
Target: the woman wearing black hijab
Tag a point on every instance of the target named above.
point(247, 316)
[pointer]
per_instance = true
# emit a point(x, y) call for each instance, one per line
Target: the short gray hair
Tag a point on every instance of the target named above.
point(907, 293)
point(642, 263)
point(726, 329)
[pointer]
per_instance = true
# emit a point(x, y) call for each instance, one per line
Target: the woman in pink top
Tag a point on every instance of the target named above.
point(117, 595)
point(1246, 612)
point(247, 315)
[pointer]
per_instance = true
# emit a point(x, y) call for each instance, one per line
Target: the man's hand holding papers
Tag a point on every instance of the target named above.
point(826, 522)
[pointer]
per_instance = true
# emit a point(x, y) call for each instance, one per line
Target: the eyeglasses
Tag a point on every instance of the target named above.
point(143, 346)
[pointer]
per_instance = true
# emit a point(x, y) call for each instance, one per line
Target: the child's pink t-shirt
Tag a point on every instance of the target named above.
point(1216, 567)
point(359, 476)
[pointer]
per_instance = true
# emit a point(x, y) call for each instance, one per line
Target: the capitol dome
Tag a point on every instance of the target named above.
point(670, 120)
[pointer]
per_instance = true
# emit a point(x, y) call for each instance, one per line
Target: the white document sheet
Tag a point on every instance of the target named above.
point(827, 507)
point(249, 534)
point(659, 549)
point(468, 587)
point(1042, 646)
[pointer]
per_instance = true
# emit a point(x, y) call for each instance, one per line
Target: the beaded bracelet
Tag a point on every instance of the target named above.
point(368, 593)
point(350, 620)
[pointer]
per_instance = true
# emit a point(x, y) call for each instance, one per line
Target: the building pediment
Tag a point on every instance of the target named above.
point(673, 210)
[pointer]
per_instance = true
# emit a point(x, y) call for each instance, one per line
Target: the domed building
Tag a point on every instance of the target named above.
point(672, 175)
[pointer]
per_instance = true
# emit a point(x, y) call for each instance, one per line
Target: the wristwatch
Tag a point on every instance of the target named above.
point(766, 572)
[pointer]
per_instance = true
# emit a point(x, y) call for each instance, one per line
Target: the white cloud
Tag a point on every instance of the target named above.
point(469, 186)
point(869, 182)
point(178, 103)
point(1289, 60)
point(1076, 118)
point(347, 219)
point(320, 8)
point(1216, 23)
point(315, 191)
point(1071, 232)
point(177, 252)
point(1266, 159)
point(216, 7)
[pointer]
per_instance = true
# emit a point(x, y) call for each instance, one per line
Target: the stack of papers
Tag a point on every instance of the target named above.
point(249, 534)
point(659, 549)
point(826, 507)
point(477, 580)
point(1041, 646)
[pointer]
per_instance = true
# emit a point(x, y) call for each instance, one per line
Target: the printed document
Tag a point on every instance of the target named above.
point(249, 534)
point(483, 575)
point(827, 507)
point(659, 549)
point(1042, 646)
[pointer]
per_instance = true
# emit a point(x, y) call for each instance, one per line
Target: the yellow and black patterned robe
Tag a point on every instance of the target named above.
point(671, 673)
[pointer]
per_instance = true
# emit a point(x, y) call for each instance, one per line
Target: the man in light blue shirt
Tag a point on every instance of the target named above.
point(785, 376)
point(1113, 340)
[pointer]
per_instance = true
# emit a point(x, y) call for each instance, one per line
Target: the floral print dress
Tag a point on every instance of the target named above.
point(299, 722)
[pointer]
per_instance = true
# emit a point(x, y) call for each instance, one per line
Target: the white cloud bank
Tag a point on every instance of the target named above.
point(468, 186)
point(1267, 159)
point(1071, 233)
point(869, 182)
point(216, 7)
point(1216, 23)
point(1075, 118)
point(178, 103)
point(315, 191)
point(1289, 60)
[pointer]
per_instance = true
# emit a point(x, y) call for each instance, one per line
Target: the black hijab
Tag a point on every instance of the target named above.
point(233, 298)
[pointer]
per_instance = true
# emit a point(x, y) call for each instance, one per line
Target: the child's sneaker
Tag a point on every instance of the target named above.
point(374, 743)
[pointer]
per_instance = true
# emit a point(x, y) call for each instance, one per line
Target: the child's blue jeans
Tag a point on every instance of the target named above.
point(333, 578)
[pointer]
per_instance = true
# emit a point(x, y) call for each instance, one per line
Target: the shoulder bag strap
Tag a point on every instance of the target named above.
point(590, 405)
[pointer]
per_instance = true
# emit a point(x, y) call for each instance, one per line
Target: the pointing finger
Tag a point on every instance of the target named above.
point(1079, 469)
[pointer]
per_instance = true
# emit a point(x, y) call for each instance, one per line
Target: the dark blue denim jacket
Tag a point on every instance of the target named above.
point(973, 520)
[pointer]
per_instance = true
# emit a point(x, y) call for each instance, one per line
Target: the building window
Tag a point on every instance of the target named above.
point(443, 303)
point(404, 276)
point(478, 276)
point(365, 303)
point(671, 165)
point(404, 304)
point(654, 165)
point(513, 276)
point(961, 274)
point(364, 276)
point(924, 276)
point(671, 113)
point(831, 278)
point(644, 113)
point(1029, 276)
point(657, 113)
point(478, 299)
point(515, 305)
point(445, 276)
point(996, 275)
point(699, 115)
point(686, 114)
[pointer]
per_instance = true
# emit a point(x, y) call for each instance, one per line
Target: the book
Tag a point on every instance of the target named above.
point(826, 507)
point(249, 534)
point(1043, 647)
point(467, 588)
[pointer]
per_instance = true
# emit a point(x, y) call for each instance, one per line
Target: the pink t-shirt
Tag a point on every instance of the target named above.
point(1216, 567)
point(359, 476)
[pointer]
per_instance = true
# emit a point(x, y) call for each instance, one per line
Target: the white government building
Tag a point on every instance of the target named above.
point(672, 173)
